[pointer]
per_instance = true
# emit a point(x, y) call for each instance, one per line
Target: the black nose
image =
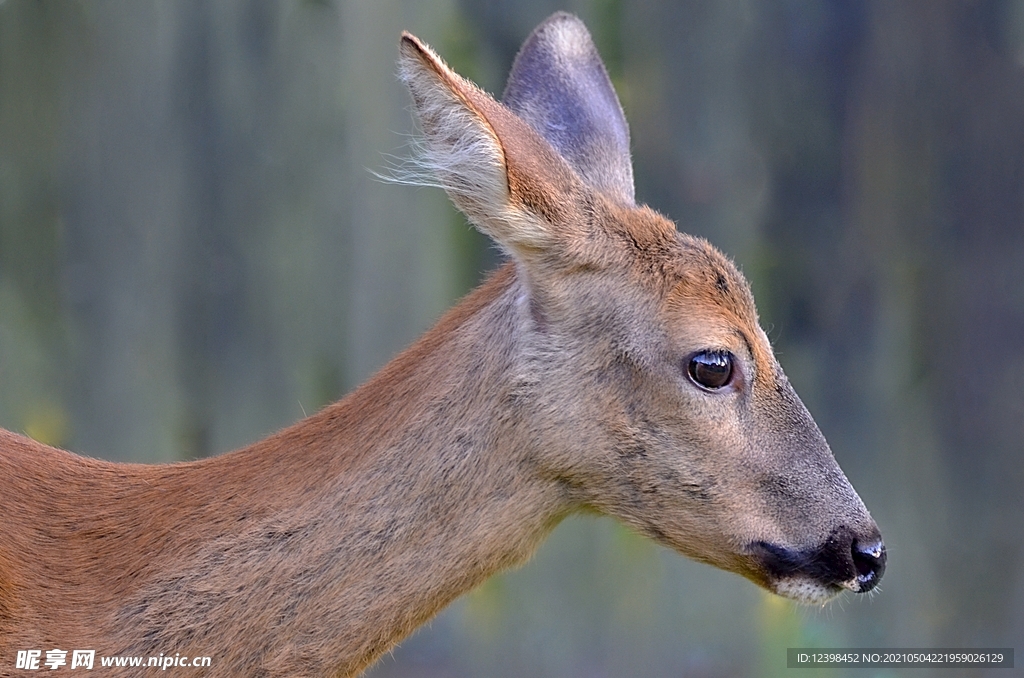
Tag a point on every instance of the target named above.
point(843, 558)
point(869, 561)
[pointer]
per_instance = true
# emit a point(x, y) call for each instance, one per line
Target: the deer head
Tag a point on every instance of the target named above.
point(651, 391)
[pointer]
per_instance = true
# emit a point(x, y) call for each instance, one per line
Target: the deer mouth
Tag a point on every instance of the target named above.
point(843, 562)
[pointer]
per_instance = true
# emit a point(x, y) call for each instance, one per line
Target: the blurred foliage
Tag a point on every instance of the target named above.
point(192, 254)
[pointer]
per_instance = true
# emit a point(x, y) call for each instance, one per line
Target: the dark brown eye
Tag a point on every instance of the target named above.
point(711, 369)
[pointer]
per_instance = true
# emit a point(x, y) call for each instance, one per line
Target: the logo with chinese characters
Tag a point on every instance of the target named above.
point(33, 660)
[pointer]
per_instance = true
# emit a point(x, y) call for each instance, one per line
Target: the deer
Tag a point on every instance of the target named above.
point(612, 365)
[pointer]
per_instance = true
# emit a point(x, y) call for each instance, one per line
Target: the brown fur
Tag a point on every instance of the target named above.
point(560, 385)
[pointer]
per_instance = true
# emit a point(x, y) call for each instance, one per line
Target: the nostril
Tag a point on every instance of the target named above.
point(869, 561)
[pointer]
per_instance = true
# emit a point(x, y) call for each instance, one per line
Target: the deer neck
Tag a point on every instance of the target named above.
point(387, 505)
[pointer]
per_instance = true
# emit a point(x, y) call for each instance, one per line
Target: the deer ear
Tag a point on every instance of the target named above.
point(510, 183)
point(560, 87)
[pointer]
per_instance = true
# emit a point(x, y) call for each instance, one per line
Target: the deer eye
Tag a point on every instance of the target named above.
point(710, 369)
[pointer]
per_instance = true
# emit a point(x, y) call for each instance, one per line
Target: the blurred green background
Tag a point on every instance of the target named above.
point(193, 254)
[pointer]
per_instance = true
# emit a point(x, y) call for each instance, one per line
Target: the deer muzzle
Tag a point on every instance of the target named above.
point(845, 560)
